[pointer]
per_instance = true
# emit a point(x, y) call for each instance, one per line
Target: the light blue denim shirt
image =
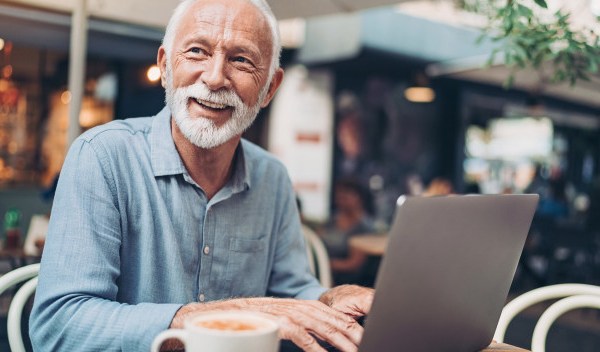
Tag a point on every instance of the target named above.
point(132, 238)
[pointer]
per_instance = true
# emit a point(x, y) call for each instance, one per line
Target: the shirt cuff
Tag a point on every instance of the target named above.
point(144, 323)
point(311, 293)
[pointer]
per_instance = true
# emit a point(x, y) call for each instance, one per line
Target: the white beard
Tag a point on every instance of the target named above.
point(201, 131)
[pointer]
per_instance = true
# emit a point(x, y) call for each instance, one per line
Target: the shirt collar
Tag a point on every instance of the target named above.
point(166, 160)
point(240, 179)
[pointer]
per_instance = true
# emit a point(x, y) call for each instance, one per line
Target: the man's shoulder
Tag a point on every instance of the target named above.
point(118, 130)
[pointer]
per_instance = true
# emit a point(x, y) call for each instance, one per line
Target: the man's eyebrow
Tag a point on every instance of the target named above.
point(196, 39)
point(253, 53)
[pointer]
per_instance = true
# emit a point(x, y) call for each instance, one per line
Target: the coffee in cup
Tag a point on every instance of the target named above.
point(225, 331)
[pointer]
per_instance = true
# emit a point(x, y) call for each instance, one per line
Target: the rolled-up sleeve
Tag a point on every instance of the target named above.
point(76, 307)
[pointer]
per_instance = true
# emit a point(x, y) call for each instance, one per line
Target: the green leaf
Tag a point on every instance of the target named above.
point(541, 3)
point(524, 11)
point(527, 41)
point(508, 24)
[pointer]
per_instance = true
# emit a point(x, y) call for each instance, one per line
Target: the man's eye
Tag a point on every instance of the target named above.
point(241, 59)
point(196, 50)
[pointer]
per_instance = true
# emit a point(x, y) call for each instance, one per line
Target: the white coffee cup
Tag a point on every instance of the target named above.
point(225, 331)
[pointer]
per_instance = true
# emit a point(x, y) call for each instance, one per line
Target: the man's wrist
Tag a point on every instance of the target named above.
point(191, 309)
point(183, 313)
point(328, 296)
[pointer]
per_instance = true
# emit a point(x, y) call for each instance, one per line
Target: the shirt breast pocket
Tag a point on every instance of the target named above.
point(247, 268)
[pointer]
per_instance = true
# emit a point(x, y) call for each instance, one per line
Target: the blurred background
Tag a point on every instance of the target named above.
point(380, 99)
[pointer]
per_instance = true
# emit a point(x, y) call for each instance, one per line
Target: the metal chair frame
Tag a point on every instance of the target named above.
point(318, 259)
point(577, 296)
point(15, 311)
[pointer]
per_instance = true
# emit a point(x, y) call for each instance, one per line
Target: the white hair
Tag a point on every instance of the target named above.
point(261, 5)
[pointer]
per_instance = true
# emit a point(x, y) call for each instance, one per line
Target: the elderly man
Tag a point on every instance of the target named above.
point(156, 219)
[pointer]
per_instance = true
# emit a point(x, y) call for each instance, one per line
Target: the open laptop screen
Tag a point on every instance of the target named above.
point(446, 272)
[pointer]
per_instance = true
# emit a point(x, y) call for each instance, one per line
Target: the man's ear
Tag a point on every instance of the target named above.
point(273, 86)
point(161, 61)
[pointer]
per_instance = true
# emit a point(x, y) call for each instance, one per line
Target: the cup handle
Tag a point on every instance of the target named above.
point(178, 334)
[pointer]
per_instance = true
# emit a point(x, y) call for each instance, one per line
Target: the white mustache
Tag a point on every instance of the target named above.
point(200, 92)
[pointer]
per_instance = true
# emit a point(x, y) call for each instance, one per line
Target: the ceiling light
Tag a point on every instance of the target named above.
point(1, 43)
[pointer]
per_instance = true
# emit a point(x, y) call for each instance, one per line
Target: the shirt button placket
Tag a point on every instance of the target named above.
point(205, 258)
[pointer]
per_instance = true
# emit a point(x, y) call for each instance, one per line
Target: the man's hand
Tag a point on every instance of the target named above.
point(354, 301)
point(301, 321)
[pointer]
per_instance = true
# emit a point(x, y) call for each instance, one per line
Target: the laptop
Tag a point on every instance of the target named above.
point(445, 276)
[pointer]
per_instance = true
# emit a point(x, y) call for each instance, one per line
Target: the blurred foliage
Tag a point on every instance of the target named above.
point(528, 38)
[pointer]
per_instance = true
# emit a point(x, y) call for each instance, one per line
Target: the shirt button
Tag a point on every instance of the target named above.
point(201, 297)
point(206, 250)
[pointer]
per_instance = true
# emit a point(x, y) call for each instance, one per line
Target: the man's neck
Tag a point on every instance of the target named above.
point(209, 168)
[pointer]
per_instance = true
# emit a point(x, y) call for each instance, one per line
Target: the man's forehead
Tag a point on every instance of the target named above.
point(235, 15)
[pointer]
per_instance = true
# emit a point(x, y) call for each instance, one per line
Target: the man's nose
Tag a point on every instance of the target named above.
point(214, 75)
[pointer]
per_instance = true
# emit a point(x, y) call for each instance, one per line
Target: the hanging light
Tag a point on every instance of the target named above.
point(1, 43)
point(420, 92)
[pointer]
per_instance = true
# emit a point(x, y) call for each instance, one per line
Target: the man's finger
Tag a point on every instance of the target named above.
point(327, 324)
point(340, 321)
point(300, 337)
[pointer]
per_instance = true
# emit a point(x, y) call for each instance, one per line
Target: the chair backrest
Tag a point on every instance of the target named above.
point(15, 311)
point(318, 259)
point(577, 296)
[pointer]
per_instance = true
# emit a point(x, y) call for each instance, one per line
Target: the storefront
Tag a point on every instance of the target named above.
point(34, 94)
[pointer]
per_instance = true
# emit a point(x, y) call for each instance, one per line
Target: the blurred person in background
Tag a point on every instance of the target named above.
point(157, 219)
point(551, 187)
point(552, 209)
point(352, 161)
point(439, 186)
point(352, 216)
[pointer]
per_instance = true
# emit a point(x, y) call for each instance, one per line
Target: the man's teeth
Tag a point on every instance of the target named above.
point(211, 105)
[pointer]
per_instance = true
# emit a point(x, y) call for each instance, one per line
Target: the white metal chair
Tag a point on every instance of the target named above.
point(15, 311)
point(318, 259)
point(577, 296)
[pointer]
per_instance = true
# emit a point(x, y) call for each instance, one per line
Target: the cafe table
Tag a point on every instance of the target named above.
point(371, 244)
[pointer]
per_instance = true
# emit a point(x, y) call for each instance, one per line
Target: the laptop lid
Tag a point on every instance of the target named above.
point(446, 273)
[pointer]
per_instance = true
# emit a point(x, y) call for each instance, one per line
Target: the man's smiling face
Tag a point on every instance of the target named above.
point(217, 70)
